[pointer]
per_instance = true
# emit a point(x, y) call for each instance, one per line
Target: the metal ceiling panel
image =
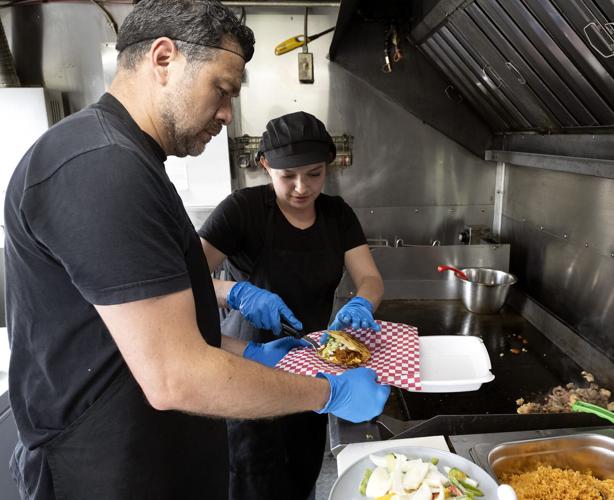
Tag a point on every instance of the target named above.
point(587, 19)
point(545, 65)
point(494, 68)
point(467, 92)
point(575, 47)
point(484, 83)
point(563, 64)
point(464, 83)
point(522, 69)
point(534, 59)
point(607, 7)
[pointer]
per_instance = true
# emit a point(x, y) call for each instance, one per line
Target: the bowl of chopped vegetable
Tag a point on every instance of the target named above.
point(414, 473)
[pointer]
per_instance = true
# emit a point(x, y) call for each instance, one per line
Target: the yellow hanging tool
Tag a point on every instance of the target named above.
point(298, 41)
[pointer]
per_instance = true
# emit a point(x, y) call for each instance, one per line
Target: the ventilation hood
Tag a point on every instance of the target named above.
point(545, 66)
point(535, 76)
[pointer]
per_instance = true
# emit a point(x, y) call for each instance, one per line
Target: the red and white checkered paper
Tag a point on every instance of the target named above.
point(395, 356)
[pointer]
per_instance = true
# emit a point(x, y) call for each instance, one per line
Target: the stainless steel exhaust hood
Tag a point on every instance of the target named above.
point(527, 65)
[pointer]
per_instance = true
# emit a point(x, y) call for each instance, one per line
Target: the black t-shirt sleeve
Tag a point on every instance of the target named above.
point(350, 229)
point(226, 227)
point(112, 224)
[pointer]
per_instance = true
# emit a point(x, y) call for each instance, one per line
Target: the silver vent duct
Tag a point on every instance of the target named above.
point(8, 75)
point(543, 65)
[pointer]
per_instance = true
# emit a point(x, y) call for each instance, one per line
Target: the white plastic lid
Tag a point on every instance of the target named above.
point(453, 363)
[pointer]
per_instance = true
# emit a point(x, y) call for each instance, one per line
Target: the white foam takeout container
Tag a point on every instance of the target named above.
point(453, 363)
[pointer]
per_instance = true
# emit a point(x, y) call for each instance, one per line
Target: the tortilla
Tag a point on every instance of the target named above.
point(343, 349)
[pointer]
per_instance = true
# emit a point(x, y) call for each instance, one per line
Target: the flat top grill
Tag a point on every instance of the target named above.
point(538, 366)
point(492, 408)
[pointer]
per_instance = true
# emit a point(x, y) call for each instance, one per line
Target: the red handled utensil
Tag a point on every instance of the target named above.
point(458, 272)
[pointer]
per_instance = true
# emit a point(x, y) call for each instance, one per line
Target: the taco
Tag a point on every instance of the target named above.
point(343, 349)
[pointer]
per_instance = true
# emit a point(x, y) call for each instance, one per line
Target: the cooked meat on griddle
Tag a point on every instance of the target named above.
point(560, 399)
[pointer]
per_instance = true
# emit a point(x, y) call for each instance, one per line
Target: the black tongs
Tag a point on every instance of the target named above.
point(289, 330)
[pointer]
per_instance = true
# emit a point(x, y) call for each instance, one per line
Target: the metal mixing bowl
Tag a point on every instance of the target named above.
point(486, 290)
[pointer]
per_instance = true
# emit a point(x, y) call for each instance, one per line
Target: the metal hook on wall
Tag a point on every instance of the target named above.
point(387, 68)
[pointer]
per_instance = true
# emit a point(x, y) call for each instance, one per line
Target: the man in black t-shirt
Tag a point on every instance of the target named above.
point(117, 362)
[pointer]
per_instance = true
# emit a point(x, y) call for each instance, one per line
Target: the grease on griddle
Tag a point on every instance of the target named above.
point(516, 344)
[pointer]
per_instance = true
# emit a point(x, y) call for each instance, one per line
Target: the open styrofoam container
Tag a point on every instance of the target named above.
point(453, 363)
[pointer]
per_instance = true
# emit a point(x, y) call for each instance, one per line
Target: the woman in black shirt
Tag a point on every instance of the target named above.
point(284, 247)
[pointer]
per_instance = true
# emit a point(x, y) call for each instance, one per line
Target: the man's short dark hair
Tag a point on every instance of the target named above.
point(196, 27)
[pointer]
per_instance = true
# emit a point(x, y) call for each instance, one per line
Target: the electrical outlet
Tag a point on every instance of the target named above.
point(305, 67)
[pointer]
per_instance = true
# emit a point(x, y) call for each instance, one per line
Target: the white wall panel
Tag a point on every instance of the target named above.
point(272, 88)
point(203, 181)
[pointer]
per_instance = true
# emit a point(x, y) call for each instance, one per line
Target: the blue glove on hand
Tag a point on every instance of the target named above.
point(261, 308)
point(354, 395)
point(357, 313)
point(270, 353)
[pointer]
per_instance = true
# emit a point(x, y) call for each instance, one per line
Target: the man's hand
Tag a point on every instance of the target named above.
point(357, 313)
point(270, 353)
point(354, 395)
point(261, 308)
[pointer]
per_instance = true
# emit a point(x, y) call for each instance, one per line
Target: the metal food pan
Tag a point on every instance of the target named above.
point(581, 452)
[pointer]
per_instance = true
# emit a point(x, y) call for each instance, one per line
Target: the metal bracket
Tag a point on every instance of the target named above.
point(453, 94)
point(243, 151)
point(487, 71)
point(521, 79)
point(499, 199)
point(600, 33)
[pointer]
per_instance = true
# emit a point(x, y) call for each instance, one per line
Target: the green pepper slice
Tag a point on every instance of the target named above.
point(363, 483)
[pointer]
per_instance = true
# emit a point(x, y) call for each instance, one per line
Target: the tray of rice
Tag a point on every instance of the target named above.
point(577, 466)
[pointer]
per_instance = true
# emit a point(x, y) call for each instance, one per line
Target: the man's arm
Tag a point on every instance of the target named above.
point(178, 370)
point(365, 275)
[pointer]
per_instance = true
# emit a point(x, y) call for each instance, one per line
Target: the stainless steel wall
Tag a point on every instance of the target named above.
point(408, 180)
point(561, 229)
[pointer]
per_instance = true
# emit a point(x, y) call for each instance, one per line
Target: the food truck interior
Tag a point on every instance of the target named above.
point(472, 133)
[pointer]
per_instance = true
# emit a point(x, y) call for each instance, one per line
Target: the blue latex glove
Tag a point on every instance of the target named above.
point(354, 395)
point(260, 307)
point(270, 353)
point(357, 313)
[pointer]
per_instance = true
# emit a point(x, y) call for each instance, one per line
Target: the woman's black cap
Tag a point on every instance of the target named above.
point(295, 140)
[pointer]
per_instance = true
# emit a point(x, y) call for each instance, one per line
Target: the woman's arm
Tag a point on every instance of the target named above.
point(363, 271)
point(260, 307)
point(214, 260)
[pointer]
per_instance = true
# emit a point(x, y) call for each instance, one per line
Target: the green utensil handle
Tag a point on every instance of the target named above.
point(590, 408)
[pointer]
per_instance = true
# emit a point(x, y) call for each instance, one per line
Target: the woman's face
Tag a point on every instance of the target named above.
point(297, 187)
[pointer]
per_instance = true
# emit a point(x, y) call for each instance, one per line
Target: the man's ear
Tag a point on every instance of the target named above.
point(264, 164)
point(162, 52)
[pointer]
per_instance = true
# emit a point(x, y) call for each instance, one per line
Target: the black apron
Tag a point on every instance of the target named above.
point(121, 448)
point(281, 458)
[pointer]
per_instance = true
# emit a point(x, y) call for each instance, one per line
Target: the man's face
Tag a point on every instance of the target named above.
point(197, 101)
